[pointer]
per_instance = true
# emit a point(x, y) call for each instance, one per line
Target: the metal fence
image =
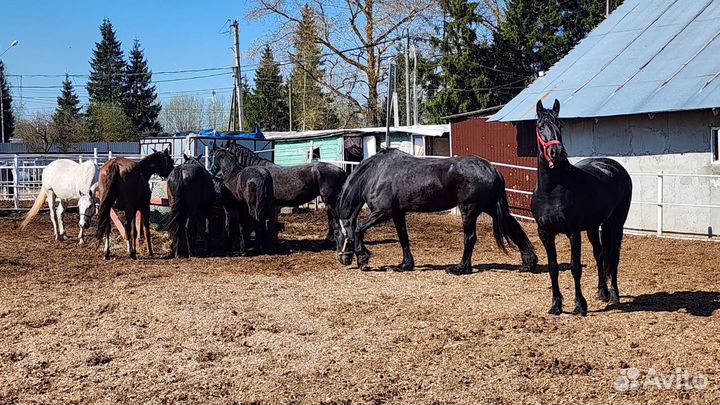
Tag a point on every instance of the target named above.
point(21, 174)
point(21, 179)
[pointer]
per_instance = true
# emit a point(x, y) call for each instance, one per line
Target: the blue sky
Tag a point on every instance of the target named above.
point(58, 37)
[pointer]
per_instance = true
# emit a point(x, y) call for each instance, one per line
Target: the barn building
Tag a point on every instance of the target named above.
point(642, 88)
point(354, 145)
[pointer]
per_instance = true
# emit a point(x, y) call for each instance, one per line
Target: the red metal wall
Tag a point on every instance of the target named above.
point(501, 142)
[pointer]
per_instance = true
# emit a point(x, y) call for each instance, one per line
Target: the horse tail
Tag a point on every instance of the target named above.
point(110, 184)
point(506, 229)
point(37, 206)
point(177, 208)
point(253, 201)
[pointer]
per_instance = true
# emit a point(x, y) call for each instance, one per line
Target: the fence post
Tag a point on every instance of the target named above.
point(80, 158)
point(95, 156)
point(16, 183)
point(659, 204)
point(207, 157)
point(109, 154)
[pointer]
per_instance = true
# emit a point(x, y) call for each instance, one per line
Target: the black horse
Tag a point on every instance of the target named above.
point(393, 183)
point(192, 199)
point(297, 185)
point(252, 198)
point(569, 199)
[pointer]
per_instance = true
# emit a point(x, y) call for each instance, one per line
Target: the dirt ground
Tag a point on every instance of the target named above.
point(300, 328)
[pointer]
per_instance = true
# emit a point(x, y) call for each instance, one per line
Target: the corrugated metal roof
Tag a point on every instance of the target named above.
point(426, 130)
point(647, 56)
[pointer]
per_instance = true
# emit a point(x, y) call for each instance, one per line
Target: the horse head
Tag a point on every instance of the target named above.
point(86, 206)
point(548, 129)
point(345, 241)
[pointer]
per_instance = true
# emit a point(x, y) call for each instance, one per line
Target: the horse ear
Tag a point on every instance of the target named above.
point(556, 107)
point(539, 108)
point(154, 150)
point(93, 188)
point(167, 151)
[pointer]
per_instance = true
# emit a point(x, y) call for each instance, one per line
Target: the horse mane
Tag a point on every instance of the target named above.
point(351, 193)
point(248, 157)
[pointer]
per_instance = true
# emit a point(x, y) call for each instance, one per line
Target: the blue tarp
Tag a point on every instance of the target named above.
point(213, 134)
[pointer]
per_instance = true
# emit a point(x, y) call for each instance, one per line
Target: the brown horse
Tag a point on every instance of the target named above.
point(124, 185)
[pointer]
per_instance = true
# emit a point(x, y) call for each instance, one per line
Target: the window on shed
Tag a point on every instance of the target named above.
point(715, 145)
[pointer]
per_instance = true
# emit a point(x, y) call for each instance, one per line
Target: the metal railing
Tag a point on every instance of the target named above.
point(21, 174)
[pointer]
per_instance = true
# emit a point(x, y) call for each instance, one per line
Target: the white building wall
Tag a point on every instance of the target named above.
point(676, 142)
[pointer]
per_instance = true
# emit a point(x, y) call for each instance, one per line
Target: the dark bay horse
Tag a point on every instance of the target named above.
point(393, 183)
point(123, 184)
point(192, 199)
point(252, 189)
point(297, 185)
point(569, 199)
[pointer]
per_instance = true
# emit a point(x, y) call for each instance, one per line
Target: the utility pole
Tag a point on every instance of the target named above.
point(238, 75)
point(407, 76)
point(607, 8)
point(304, 108)
point(415, 102)
point(290, 102)
point(391, 68)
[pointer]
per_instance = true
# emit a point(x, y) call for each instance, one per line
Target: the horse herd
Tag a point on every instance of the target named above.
point(241, 194)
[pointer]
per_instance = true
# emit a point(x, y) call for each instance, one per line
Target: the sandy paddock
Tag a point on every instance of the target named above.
point(299, 327)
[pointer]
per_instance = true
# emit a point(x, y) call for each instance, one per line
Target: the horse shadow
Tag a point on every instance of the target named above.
point(485, 267)
point(290, 246)
point(697, 303)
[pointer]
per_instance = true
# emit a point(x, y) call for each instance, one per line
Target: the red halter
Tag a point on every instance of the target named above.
point(545, 145)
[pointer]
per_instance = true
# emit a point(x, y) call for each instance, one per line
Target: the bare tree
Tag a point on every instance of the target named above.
point(357, 37)
point(217, 112)
point(41, 134)
point(182, 113)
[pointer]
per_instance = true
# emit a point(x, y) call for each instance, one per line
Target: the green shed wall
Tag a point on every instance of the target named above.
point(292, 153)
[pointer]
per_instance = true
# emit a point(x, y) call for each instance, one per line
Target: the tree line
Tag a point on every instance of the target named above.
point(470, 55)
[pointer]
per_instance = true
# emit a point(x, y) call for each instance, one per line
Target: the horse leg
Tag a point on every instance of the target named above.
point(53, 219)
point(130, 232)
point(191, 233)
point(548, 241)
point(408, 263)
point(361, 252)
point(58, 214)
point(576, 268)
point(330, 237)
point(593, 235)
point(612, 241)
point(470, 213)
point(146, 229)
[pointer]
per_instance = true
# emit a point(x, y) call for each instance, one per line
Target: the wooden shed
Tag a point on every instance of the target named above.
point(511, 146)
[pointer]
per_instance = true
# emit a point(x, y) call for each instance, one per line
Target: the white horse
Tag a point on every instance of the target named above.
point(65, 179)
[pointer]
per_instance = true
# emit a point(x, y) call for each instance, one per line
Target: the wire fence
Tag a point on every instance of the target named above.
point(21, 180)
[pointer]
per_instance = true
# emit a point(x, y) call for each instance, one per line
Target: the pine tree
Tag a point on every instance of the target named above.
point(7, 112)
point(540, 33)
point(463, 80)
point(267, 107)
point(66, 119)
point(312, 108)
point(140, 102)
point(107, 68)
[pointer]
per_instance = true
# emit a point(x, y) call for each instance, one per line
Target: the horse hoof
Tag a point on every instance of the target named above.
point(405, 267)
point(580, 308)
point(614, 299)
point(603, 294)
point(459, 270)
point(556, 307)
point(81, 242)
point(133, 256)
point(365, 267)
